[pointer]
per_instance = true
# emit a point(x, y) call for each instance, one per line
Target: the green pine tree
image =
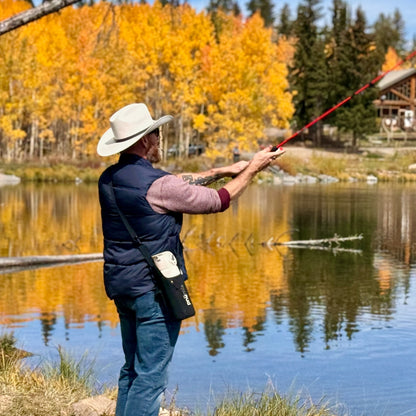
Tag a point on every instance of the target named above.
point(338, 59)
point(361, 65)
point(389, 31)
point(285, 25)
point(265, 7)
point(308, 76)
point(228, 6)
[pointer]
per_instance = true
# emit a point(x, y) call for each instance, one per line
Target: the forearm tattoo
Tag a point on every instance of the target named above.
point(202, 180)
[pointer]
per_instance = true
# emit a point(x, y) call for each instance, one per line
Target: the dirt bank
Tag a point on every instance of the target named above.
point(305, 152)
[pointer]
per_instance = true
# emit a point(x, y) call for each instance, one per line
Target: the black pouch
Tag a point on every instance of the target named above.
point(171, 282)
point(176, 296)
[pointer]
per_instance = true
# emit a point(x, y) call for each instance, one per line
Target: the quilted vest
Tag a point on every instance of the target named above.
point(126, 272)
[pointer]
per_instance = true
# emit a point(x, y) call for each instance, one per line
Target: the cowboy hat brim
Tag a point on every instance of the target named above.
point(108, 145)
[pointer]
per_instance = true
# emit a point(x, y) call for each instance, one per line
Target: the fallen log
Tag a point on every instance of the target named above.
point(331, 249)
point(9, 264)
point(321, 242)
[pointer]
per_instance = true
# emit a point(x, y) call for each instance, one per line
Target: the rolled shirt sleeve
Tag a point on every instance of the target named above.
point(170, 193)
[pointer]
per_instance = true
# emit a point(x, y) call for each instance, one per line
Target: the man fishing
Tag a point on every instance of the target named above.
point(153, 201)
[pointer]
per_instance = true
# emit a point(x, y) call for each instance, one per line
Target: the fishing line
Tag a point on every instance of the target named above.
point(360, 90)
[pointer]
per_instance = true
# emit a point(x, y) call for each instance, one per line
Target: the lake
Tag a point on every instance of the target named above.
point(329, 321)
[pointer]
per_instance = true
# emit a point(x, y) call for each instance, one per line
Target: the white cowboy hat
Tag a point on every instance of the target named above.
point(128, 125)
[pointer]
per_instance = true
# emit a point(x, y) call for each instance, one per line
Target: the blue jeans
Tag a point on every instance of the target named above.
point(149, 336)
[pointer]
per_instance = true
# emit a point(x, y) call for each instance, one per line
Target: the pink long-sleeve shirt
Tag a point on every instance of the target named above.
point(171, 193)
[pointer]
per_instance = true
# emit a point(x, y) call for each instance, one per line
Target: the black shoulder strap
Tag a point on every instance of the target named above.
point(142, 247)
point(132, 233)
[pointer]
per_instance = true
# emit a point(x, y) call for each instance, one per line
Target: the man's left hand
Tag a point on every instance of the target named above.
point(237, 168)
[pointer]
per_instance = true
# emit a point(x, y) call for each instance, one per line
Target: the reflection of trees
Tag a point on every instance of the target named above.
point(214, 331)
point(338, 287)
point(46, 220)
point(397, 220)
point(249, 334)
point(318, 291)
point(48, 322)
point(74, 292)
point(321, 283)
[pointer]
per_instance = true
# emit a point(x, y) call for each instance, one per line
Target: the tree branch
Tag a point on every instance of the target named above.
point(32, 14)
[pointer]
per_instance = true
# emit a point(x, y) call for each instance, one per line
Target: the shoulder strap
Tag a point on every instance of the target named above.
point(131, 231)
point(143, 249)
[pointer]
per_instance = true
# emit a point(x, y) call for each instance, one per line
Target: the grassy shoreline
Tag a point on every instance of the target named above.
point(44, 391)
point(53, 388)
point(387, 165)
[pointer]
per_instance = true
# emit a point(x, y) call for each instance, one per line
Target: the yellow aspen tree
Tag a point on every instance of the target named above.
point(247, 86)
point(45, 83)
point(82, 78)
point(13, 59)
point(147, 32)
point(390, 60)
point(190, 33)
point(144, 30)
point(116, 75)
point(65, 74)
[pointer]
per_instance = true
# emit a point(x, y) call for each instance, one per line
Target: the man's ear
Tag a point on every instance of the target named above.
point(145, 141)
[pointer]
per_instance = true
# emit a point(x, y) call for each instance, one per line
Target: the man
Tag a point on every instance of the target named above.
point(153, 201)
point(236, 153)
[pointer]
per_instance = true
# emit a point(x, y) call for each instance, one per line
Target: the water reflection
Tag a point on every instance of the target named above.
point(49, 219)
point(346, 286)
point(235, 276)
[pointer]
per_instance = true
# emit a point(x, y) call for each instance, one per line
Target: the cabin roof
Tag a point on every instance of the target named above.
point(394, 77)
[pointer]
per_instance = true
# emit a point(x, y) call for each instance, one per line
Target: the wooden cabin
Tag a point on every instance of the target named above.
point(396, 103)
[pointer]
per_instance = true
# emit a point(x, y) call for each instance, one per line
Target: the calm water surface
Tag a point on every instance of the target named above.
point(326, 322)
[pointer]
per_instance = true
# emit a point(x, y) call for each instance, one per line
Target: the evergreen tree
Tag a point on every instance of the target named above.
point(399, 27)
point(227, 6)
point(265, 8)
point(308, 75)
point(389, 31)
point(361, 64)
point(285, 25)
point(337, 57)
point(218, 11)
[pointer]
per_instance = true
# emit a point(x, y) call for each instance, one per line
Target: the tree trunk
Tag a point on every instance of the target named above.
point(181, 145)
point(33, 137)
point(41, 148)
point(187, 137)
point(354, 140)
point(32, 14)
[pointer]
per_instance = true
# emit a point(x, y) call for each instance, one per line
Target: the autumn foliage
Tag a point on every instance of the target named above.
point(64, 75)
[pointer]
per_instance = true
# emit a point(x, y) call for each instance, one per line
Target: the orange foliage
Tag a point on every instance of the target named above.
point(9, 8)
point(65, 74)
point(391, 59)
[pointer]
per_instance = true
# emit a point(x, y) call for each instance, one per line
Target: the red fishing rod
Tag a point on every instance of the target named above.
point(376, 79)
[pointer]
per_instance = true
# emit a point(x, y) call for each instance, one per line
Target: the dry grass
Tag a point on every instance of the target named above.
point(388, 166)
point(269, 403)
point(46, 391)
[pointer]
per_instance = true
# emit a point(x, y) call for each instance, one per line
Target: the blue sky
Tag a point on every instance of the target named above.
point(371, 8)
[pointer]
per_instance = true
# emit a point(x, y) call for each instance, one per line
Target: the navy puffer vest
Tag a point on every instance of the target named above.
point(126, 272)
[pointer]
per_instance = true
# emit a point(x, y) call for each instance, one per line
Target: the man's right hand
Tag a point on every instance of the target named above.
point(264, 158)
point(260, 161)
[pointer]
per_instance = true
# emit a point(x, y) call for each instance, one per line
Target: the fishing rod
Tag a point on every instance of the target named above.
point(376, 79)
